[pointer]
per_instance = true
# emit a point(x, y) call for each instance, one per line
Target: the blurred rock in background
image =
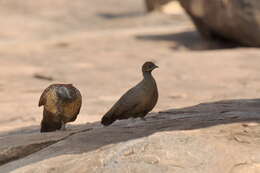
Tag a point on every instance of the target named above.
point(165, 6)
point(233, 20)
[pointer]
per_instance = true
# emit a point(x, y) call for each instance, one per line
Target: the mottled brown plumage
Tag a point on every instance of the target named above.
point(137, 101)
point(62, 103)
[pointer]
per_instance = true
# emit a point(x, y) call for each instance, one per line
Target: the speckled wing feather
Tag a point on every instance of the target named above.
point(42, 100)
point(71, 110)
point(79, 102)
point(62, 104)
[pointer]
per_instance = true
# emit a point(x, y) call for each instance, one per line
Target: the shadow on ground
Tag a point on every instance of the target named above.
point(92, 136)
point(190, 40)
point(121, 15)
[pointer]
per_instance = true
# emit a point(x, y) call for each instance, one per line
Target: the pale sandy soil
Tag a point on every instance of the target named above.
point(99, 46)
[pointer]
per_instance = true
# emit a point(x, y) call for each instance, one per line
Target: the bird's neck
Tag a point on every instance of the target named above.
point(147, 75)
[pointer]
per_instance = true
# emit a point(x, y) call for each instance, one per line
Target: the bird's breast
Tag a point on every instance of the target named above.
point(150, 95)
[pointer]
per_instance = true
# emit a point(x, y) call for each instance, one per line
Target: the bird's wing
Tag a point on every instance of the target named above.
point(42, 100)
point(75, 115)
point(127, 103)
point(79, 101)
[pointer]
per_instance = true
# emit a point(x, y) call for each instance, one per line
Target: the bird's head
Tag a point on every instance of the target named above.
point(149, 66)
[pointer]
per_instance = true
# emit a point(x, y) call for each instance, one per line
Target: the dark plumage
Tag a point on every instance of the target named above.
point(137, 101)
point(62, 103)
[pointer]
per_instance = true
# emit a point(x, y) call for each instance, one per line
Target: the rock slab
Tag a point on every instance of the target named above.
point(234, 20)
point(211, 137)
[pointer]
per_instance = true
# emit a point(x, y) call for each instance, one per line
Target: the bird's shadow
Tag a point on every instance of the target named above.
point(92, 136)
point(191, 40)
point(121, 15)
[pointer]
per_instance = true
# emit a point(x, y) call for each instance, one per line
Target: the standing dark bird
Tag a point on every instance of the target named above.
point(62, 103)
point(137, 101)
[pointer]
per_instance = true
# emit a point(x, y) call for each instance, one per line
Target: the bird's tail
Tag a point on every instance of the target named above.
point(48, 123)
point(107, 120)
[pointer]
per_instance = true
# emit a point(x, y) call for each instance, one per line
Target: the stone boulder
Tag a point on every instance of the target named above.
point(152, 5)
point(212, 137)
point(234, 20)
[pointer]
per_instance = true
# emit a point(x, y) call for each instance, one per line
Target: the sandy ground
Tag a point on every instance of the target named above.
point(99, 46)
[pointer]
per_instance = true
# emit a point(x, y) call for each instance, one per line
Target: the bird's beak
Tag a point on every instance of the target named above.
point(156, 66)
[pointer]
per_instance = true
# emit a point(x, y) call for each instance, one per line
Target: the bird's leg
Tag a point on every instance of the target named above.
point(142, 118)
point(62, 126)
point(60, 115)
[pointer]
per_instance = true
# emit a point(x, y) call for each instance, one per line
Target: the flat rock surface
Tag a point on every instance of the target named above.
point(212, 137)
point(100, 49)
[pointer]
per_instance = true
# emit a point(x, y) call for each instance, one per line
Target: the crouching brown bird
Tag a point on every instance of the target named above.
point(62, 103)
point(137, 101)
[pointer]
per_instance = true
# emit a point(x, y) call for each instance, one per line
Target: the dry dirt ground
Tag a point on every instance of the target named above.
point(99, 46)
